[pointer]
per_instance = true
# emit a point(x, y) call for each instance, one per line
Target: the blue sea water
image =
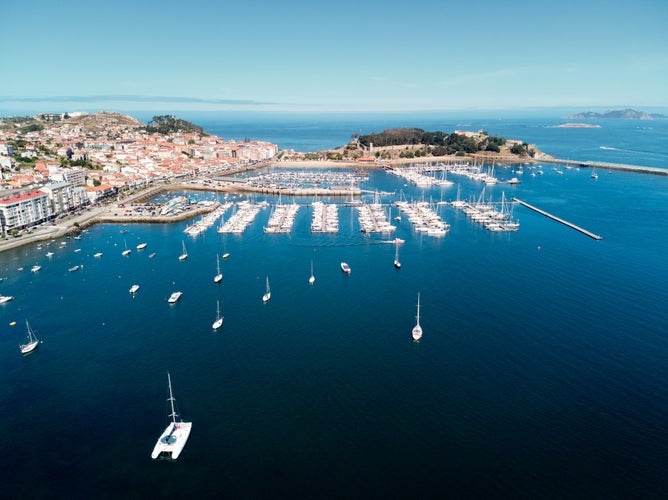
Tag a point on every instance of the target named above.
point(542, 371)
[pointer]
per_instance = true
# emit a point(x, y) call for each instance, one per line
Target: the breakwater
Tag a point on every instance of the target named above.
point(562, 221)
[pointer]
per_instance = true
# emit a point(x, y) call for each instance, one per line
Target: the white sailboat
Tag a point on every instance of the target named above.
point(417, 329)
point(267, 294)
point(127, 251)
point(171, 442)
point(219, 319)
point(184, 255)
point(219, 276)
point(32, 343)
point(397, 264)
point(311, 279)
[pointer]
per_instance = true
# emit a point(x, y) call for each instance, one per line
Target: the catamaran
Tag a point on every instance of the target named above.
point(174, 297)
point(134, 289)
point(219, 276)
point(127, 251)
point(267, 294)
point(32, 343)
point(417, 329)
point(184, 255)
point(219, 319)
point(173, 439)
point(311, 279)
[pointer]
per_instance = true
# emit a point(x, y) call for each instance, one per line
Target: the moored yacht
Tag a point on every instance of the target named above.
point(32, 341)
point(417, 329)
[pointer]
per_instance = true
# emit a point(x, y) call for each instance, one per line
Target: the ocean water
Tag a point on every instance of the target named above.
point(542, 371)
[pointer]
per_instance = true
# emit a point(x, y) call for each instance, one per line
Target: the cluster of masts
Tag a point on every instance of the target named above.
point(207, 221)
point(416, 175)
point(305, 178)
point(424, 218)
point(325, 217)
point(488, 215)
point(244, 216)
point(282, 219)
point(373, 219)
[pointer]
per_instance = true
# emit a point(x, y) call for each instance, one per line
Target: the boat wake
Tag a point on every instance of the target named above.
point(651, 153)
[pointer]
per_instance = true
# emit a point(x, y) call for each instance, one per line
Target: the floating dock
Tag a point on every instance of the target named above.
point(553, 217)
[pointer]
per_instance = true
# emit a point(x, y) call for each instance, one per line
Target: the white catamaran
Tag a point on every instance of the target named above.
point(417, 329)
point(32, 343)
point(173, 439)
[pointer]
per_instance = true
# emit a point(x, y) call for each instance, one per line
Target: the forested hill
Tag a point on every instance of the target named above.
point(168, 124)
point(441, 142)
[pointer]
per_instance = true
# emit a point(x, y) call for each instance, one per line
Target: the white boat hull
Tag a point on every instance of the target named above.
point(29, 347)
point(171, 442)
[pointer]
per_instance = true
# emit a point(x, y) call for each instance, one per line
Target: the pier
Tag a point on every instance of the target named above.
point(564, 222)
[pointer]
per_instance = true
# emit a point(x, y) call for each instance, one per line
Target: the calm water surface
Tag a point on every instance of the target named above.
point(542, 370)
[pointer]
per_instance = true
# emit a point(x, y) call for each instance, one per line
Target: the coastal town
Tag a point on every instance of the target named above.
point(88, 163)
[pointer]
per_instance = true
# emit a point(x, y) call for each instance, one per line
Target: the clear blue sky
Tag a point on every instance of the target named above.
point(336, 56)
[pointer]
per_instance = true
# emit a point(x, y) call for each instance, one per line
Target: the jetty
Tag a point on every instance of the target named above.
point(554, 217)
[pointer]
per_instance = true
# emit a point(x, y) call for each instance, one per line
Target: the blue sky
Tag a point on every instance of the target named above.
point(334, 56)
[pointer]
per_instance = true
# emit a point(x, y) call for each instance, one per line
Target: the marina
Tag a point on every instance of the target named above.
point(325, 218)
point(515, 324)
point(245, 215)
point(282, 218)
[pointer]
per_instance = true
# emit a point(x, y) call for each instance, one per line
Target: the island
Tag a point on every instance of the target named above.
point(622, 114)
point(576, 125)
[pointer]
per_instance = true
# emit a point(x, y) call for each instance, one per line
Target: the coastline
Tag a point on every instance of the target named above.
point(113, 214)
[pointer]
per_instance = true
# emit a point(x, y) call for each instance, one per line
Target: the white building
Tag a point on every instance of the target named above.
point(64, 197)
point(21, 210)
point(73, 176)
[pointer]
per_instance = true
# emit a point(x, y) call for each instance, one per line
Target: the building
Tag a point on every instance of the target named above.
point(73, 176)
point(21, 210)
point(64, 197)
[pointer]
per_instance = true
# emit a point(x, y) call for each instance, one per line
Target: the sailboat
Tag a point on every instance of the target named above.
point(311, 279)
point(417, 329)
point(32, 343)
point(127, 251)
point(219, 319)
point(219, 276)
point(173, 439)
point(184, 255)
point(267, 294)
point(397, 264)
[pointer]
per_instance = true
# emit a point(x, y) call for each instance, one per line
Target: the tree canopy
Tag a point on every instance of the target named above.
point(169, 124)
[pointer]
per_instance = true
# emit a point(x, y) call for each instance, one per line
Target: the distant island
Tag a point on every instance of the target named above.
point(576, 125)
point(621, 114)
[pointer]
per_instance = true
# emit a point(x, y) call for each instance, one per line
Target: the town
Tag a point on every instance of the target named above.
point(93, 158)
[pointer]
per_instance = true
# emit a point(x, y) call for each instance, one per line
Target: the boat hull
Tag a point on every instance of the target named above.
point(172, 441)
